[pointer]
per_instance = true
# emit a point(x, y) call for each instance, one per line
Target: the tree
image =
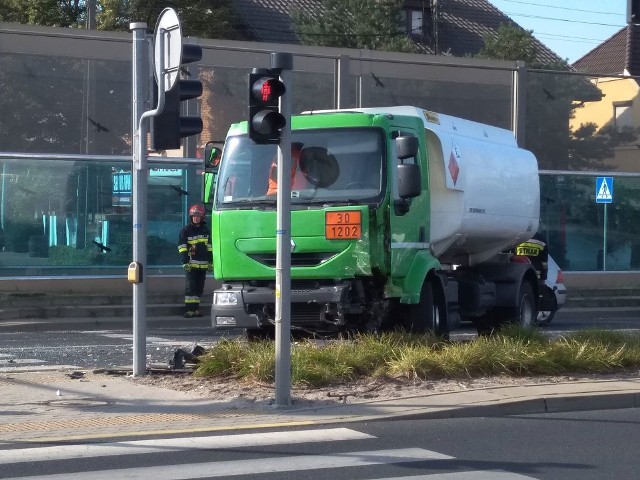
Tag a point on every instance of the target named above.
point(510, 43)
point(344, 24)
point(200, 18)
point(54, 13)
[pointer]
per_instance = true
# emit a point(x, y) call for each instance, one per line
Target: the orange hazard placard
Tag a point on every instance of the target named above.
point(344, 225)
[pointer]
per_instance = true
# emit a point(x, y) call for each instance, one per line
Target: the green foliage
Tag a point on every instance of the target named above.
point(341, 23)
point(201, 18)
point(510, 43)
point(54, 13)
point(513, 351)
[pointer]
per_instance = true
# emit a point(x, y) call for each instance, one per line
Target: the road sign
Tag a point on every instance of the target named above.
point(167, 48)
point(604, 189)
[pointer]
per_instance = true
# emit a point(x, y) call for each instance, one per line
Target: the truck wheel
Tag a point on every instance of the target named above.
point(427, 315)
point(524, 313)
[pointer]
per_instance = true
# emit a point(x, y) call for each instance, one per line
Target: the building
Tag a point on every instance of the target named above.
point(614, 68)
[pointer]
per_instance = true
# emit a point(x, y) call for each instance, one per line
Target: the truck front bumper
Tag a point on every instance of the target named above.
point(238, 305)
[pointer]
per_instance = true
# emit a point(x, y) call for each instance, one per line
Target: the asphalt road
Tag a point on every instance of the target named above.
point(90, 349)
point(568, 446)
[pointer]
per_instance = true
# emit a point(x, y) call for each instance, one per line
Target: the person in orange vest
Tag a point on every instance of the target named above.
point(298, 181)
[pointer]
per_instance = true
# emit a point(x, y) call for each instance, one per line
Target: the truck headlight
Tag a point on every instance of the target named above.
point(225, 298)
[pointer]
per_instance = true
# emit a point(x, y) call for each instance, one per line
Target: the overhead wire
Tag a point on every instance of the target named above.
point(562, 8)
point(564, 38)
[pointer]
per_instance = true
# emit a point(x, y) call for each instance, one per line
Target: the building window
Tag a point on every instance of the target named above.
point(622, 115)
point(415, 23)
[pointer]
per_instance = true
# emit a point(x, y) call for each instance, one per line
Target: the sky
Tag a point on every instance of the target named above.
point(571, 28)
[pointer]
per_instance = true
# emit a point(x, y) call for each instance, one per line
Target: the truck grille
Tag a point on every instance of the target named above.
point(305, 314)
point(297, 259)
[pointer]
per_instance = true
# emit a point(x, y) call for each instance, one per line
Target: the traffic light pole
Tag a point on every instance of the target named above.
point(284, 62)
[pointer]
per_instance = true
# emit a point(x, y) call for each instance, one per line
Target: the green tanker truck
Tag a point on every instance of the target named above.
point(401, 217)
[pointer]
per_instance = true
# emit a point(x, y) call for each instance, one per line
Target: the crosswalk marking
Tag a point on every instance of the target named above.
point(256, 466)
point(61, 452)
point(470, 475)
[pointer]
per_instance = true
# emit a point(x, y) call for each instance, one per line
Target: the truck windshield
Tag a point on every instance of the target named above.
point(329, 166)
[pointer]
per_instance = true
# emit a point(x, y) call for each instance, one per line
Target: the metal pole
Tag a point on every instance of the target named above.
point(519, 103)
point(139, 194)
point(283, 61)
point(342, 82)
point(4, 172)
point(604, 240)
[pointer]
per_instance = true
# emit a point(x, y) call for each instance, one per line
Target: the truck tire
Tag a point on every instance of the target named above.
point(525, 312)
point(427, 315)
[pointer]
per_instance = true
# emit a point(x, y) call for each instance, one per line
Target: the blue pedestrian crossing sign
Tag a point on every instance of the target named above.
point(604, 189)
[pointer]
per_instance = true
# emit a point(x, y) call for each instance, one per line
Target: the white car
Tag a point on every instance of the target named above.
point(555, 284)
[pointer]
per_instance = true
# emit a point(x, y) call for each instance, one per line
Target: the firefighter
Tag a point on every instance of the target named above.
point(194, 246)
point(536, 250)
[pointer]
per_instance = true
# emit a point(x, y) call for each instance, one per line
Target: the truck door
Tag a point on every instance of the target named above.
point(408, 218)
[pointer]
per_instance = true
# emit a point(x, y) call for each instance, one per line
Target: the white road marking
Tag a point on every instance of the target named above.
point(470, 475)
point(176, 444)
point(256, 466)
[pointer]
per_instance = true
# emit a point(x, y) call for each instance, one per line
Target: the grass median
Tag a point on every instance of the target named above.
point(512, 351)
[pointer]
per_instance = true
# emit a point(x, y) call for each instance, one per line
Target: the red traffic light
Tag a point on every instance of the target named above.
point(267, 89)
point(265, 118)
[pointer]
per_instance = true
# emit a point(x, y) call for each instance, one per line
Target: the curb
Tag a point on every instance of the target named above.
point(569, 403)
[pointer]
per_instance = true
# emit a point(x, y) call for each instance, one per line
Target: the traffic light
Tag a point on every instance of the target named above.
point(170, 126)
point(265, 119)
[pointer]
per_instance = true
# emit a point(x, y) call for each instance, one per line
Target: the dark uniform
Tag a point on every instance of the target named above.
point(195, 248)
point(536, 249)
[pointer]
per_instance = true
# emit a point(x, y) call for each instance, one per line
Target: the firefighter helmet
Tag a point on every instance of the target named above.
point(196, 211)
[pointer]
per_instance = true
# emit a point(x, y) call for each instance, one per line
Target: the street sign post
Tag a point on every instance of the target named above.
point(604, 194)
point(167, 60)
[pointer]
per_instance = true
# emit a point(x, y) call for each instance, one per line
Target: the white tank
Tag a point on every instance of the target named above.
point(485, 191)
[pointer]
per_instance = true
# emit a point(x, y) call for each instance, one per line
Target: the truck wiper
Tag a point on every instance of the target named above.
point(249, 204)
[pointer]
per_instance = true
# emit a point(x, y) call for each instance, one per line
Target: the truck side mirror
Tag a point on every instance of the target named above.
point(212, 156)
point(409, 181)
point(406, 146)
